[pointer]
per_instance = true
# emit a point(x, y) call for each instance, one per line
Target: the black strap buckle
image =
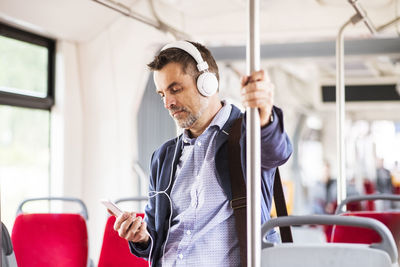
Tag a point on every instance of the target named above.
point(238, 203)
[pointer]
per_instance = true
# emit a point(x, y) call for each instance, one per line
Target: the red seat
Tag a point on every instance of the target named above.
point(355, 206)
point(369, 188)
point(48, 240)
point(115, 250)
point(347, 234)
point(365, 236)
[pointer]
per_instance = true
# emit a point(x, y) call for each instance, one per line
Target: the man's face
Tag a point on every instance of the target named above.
point(180, 95)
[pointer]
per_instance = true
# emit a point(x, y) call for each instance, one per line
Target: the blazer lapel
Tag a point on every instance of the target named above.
point(222, 135)
point(170, 163)
point(221, 153)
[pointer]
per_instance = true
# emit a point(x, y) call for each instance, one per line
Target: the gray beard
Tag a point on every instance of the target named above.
point(192, 118)
point(188, 122)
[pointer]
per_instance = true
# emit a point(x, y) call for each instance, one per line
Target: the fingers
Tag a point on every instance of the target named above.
point(141, 233)
point(131, 228)
point(255, 77)
point(111, 213)
point(260, 85)
point(127, 226)
point(244, 80)
point(122, 218)
point(259, 92)
point(258, 99)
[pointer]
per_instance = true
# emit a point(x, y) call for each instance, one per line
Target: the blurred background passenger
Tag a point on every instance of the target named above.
point(383, 178)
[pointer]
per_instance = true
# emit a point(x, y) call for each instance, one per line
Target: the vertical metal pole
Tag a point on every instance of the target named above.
point(253, 153)
point(360, 15)
point(340, 116)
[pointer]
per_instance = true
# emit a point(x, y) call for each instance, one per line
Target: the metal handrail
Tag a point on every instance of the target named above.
point(340, 117)
point(126, 199)
point(350, 199)
point(361, 15)
point(84, 211)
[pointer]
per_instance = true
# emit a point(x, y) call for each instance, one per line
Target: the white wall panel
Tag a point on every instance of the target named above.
point(114, 74)
point(66, 125)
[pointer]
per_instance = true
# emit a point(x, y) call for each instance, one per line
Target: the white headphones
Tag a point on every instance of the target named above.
point(207, 83)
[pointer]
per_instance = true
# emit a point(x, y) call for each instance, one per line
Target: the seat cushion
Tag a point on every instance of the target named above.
point(48, 240)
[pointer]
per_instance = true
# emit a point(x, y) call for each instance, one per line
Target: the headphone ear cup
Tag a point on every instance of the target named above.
point(207, 84)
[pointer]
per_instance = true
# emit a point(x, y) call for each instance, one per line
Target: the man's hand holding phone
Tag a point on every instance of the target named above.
point(131, 227)
point(127, 224)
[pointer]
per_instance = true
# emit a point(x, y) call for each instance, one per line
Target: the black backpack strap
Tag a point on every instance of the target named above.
point(280, 206)
point(238, 187)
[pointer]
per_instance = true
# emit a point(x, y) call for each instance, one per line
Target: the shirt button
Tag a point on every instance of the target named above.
point(188, 232)
point(199, 143)
point(180, 256)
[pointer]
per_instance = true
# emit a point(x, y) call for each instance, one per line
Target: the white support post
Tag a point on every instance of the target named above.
point(340, 116)
point(360, 15)
point(253, 140)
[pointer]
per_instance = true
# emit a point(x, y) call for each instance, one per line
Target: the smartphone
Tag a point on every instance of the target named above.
point(111, 206)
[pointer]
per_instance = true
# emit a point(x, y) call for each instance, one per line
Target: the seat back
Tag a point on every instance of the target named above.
point(391, 219)
point(115, 250)
point(49, 239)
point(351, 200)
point(382, 254)
point(347, 234)
point(324, 255)
point(354, 206)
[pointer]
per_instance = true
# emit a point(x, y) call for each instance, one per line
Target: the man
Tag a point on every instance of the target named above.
point(188, 217)
point(383, 178)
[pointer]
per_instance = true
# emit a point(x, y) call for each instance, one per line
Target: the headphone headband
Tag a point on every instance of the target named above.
point(207, 83)
point(191, 50)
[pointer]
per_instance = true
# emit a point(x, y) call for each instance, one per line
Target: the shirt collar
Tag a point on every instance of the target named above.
point(219, 121)
point(222, 115)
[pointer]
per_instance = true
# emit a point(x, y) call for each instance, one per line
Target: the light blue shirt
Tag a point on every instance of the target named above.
point(202, 230)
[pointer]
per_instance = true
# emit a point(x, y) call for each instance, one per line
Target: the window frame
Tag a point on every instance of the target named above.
point(27, 101)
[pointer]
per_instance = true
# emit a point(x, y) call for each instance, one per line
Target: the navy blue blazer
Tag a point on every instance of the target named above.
point(275, 150)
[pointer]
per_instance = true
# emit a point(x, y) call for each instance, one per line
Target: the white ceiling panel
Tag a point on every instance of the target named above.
point(211, 21)
point(78, 20)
